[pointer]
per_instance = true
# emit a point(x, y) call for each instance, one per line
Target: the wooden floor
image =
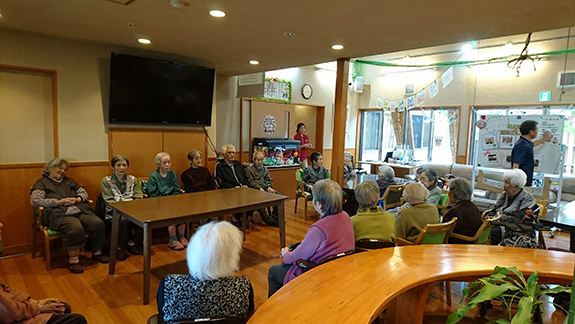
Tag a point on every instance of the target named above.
point(117, 299)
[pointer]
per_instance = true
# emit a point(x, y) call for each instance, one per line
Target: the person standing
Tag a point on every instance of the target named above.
point(522, 153)
point(304, 140)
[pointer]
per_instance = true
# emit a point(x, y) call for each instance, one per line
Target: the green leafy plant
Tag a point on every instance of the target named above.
point(507, 285)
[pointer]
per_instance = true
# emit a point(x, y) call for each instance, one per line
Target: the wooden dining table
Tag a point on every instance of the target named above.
point(159, 212)
point(358, 287)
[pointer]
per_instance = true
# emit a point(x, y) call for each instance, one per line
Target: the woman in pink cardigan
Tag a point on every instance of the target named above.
point(18, 307)
point(330, 235)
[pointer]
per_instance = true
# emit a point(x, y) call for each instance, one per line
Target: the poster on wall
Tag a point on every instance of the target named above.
point(507, 140)
point(433, 89)
point(420, 97)
point(447, 77)
point(489, 141)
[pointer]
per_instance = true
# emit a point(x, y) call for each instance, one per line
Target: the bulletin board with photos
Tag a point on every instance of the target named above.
point(498, 135)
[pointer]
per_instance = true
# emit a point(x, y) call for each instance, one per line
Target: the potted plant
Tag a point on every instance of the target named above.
point(507, 285)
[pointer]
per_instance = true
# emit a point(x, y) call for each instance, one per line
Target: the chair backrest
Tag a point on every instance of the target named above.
point(299, 179)
point(542, 207)
point(144, 186)
point(436, 233)
point(392, 197)
point(156, 319)
point(372, 244)
point(444, 202)
point(337, 256)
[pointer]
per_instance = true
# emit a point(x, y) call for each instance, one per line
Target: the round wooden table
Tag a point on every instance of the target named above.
point(357, 288)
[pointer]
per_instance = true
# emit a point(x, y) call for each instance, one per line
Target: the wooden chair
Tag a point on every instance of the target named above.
point(392, 197)
point(301, 193)
point(444, 202)
point(542, 207)
point(307, 265)
point(156, 319)
point(372, 244)
point(483, 234)
point(432, 234)
point(49, 235)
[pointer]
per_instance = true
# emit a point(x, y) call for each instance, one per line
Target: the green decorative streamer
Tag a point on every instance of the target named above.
point(358, 70)
point(500, 59)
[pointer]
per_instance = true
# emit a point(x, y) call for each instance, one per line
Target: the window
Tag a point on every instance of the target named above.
point(377, 136)
point(432, 130)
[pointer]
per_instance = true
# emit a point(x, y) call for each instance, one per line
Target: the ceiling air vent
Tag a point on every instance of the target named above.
point(566, 79)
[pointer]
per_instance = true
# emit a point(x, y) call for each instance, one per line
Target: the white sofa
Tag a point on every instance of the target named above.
point(465, 171)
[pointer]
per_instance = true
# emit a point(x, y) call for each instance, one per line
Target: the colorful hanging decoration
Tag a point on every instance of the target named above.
point(269, 124)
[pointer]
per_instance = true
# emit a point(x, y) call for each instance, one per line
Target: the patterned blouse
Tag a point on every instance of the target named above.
point(183, 297)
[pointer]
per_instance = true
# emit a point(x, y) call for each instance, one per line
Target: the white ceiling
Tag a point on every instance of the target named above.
point(254, 29)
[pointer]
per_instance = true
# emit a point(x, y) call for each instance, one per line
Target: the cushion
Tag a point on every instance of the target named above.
point(441, 169)
point(462, 171)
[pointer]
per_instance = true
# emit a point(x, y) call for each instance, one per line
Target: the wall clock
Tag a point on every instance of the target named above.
point(306, 91)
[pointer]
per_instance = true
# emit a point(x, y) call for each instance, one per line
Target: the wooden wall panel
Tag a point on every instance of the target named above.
point(180, 143)
point(17, 215)
point(261, 109)
point(308, 116)
point(284, 180)
point(141, 146)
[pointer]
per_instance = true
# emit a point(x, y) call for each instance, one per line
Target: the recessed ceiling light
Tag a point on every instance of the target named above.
point(144, 40)
point(466, 47)
point(289, 34)
point(217, 13)
point(337, 47)
point(254, 62)
point(0, 15)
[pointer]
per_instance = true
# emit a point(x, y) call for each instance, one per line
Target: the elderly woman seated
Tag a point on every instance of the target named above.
point(348, 171)
point(385, 178)
point(514, 200)
point(412, 220)
point(467, 213)
point(428, 177)
point(66, 210)
point(330, 235)
point(371, 222)
point(210, 290)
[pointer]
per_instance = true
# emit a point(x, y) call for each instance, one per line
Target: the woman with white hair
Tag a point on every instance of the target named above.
point(210, 290)
point(330, 235)
point(164, 182)
point(467, 213)
point(412, 220)
point(385, 178)
point(514, 200)
point(371, 221)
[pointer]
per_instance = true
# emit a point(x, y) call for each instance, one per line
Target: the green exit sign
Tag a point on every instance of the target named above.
point(545, 96)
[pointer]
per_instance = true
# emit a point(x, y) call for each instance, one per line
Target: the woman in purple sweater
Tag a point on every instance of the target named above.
point(331, 235)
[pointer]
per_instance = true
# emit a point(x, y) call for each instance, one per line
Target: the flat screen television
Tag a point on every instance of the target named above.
point(149, 91)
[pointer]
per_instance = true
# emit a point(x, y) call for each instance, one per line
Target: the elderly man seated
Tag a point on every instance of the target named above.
point(230, 173)
point(467, 213)
point(259, 178)
point(412, 220)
